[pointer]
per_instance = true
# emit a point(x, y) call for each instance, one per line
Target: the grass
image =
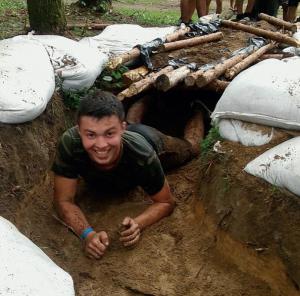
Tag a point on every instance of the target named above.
point(11, 5)
point(148, 2)
point(12, 17)
point(207, 144)
point(148, 17)
point(73, 99)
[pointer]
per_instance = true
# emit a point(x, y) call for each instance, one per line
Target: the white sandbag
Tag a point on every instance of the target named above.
point(26, 79)
point(292, 50)
point(26, 270)
point(296, 35)
point(117, 39)
point(279, 166)
point(77, 65)
point(267, 93)
point(248, 134)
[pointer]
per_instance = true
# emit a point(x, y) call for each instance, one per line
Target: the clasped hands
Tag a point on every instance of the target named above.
point(96, 243)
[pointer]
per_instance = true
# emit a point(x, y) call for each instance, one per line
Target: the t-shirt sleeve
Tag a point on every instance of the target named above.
point(64, 164)
point(152, 175)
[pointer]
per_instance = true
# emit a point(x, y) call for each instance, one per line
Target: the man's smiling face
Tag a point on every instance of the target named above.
point(102, 139)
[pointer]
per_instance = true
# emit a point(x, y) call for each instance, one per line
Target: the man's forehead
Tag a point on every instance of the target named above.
point(92, 123)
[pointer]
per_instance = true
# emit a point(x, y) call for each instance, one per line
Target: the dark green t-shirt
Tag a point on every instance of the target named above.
point(139, 164)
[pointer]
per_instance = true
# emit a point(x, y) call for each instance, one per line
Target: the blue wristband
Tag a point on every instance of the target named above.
point(86, 232)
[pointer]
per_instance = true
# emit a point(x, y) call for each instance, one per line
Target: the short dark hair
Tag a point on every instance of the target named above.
point(99, 104)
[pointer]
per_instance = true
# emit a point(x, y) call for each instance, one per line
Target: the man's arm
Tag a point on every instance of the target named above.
point(163, 205)
point(71, 214)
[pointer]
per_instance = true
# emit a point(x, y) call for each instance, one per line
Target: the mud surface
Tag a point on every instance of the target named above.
point(177, 256)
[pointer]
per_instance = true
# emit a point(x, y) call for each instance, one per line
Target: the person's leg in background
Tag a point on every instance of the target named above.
point(284, 5)
point(239, 9)
point(248, 11)
point(272, 7)
point(207, 6)
point(219, 6)
point(292, 10)
point(239, 6)
point(233, 5)
point(249, 7)
point(201, 7)
point(187, 8)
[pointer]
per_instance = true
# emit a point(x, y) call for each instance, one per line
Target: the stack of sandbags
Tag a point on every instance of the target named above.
point(76, 65)
point(119, 38)
point(267, 93)
point(279, 166)
point(257, 101)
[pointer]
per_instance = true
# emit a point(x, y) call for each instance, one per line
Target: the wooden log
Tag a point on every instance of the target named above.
point(218, 70)
point(276, 36)
point(88, 26)
point(123, 58)
point(190, 42)
point(190, 79)
point(278, 22)
point(217, 85)
point(142, 85)
point(168, 80)
point(232, 72)
point(126, 93)
point(177, 34)
point(135, 75)
point(278, 56)
point(137, 110)
point(135, 52)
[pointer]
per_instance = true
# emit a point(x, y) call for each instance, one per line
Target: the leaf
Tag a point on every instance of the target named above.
point(116, 75)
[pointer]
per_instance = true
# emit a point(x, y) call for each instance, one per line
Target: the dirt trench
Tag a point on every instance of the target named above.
point(227, 235)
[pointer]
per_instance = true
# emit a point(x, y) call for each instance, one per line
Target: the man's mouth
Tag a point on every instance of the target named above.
point(101, 153)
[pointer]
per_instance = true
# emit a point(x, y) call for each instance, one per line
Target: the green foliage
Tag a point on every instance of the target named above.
point(149, 17)
point(209, 141)
point(111, 80)
point(101, 6)
point(275, 191)
point(72, 99)
point(152, 2)
point(6, 5)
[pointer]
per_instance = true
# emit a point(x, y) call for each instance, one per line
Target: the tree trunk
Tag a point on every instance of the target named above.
point(47, 16)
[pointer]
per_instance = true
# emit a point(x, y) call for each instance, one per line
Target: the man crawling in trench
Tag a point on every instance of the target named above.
point(110, 154)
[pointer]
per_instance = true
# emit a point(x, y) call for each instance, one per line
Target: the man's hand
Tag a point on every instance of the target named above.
point(131, 234)
point(96, 244)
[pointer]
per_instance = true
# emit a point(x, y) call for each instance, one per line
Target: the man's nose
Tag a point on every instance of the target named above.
point(101, 142)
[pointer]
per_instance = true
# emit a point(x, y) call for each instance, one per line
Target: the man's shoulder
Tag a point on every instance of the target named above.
point(70, 140)
point(137, 147)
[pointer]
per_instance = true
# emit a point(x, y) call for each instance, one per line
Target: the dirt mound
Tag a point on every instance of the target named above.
point(262, 217)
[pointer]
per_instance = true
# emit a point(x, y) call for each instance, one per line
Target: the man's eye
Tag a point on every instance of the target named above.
point(90, 136)
point(110, 134)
